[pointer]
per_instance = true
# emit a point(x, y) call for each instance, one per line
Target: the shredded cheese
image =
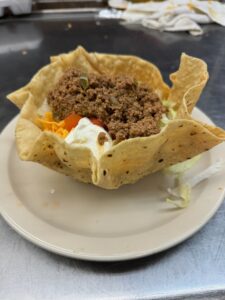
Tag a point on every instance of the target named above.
point(47, 123)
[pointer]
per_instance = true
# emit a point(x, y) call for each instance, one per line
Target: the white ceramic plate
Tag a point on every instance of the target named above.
point(82, 221)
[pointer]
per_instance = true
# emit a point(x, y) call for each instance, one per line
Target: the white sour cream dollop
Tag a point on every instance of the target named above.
point(86, 134)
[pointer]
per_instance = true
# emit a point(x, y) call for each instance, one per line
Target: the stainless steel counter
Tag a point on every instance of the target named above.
point(194, 269)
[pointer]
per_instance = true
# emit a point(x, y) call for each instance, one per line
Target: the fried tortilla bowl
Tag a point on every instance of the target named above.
point(126, 162)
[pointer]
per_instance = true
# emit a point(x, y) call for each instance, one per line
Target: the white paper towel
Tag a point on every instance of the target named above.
point(171, 15)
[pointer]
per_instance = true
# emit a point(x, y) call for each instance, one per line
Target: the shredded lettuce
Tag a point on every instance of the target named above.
point(171, 114)
point(166, 103)
point(180, 195)
point(164, 120)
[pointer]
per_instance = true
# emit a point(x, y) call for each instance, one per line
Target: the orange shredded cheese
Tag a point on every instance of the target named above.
point(49, 124)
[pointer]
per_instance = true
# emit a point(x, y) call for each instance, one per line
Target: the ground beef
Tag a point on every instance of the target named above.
point(127, 108)
point(102, 138)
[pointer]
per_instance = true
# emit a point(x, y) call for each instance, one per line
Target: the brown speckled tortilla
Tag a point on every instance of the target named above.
point(131, 159)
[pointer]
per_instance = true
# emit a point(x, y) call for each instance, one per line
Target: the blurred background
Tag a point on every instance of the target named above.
point(26, 6)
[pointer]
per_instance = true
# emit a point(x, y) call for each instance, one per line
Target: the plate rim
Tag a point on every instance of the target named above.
point(106, 258)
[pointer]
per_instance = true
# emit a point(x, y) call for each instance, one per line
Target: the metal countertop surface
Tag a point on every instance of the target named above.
point(193, 269)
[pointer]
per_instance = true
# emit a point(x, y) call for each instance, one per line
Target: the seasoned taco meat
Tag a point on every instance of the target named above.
point(128, 109)
point(102, 138)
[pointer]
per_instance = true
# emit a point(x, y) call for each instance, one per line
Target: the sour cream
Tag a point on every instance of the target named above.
point(86, 134)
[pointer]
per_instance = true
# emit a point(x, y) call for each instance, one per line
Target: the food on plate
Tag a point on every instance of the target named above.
point(111, 119)
point(128, 108)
